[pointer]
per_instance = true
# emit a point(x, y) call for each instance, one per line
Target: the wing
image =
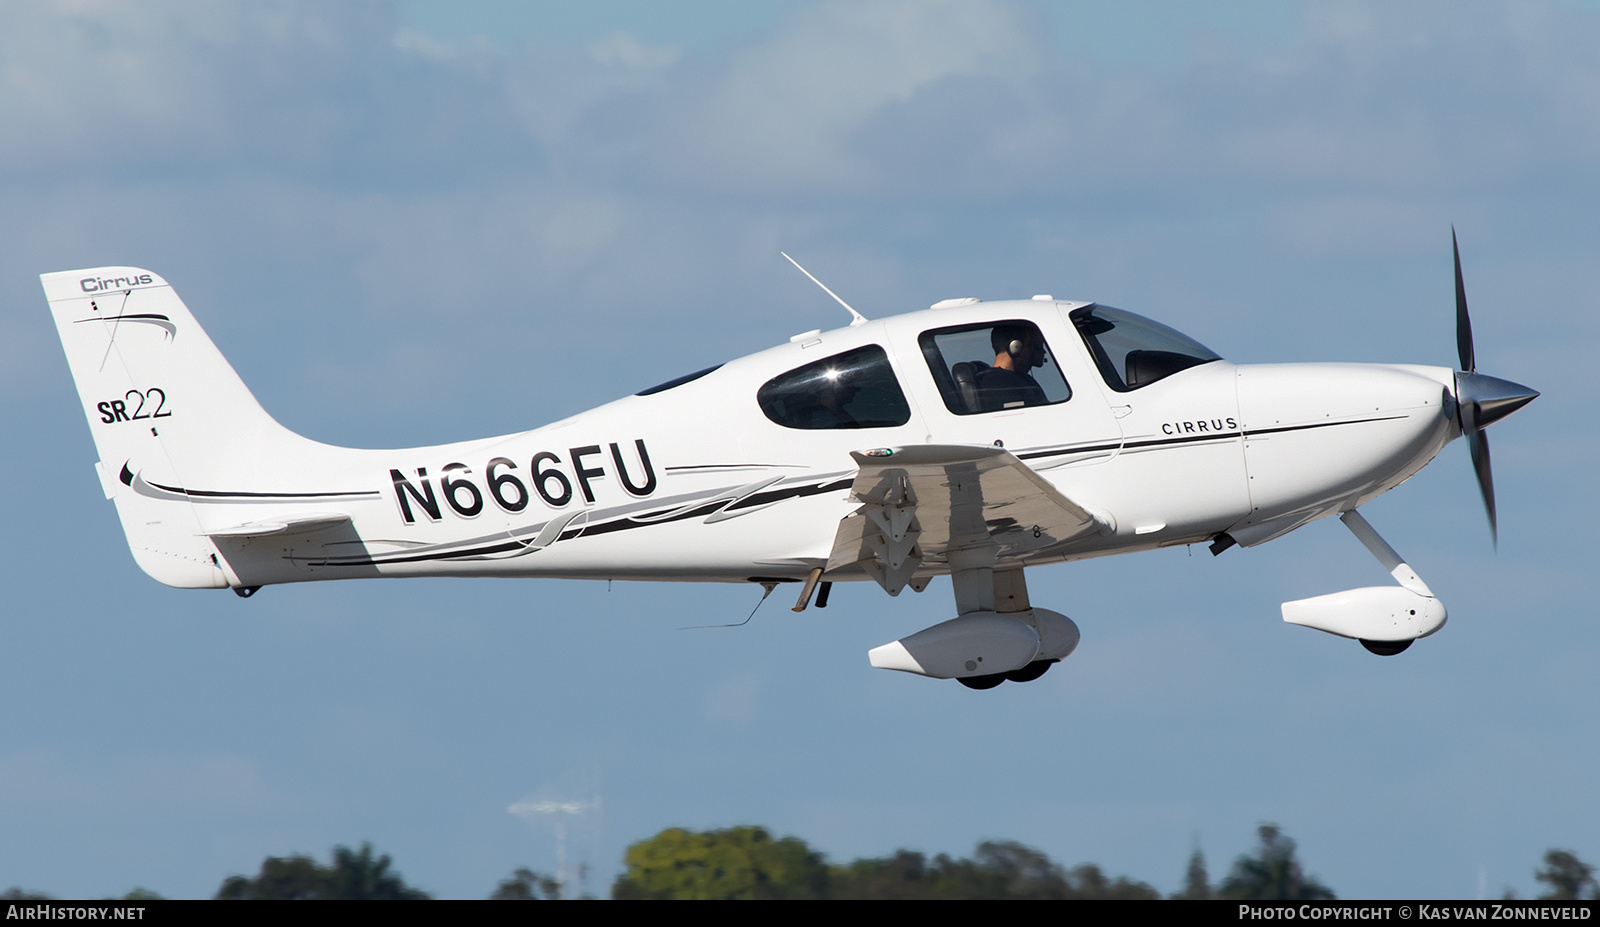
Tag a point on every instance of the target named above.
point(923, 501)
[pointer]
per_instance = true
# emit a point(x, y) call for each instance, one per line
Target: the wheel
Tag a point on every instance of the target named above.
point(982, 682)
point(1386, 648)
point(1030, 672)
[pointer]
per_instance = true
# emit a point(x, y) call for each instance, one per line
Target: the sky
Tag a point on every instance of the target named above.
point(418, 222)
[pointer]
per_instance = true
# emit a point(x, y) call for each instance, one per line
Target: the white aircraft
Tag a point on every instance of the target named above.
point(973, 439)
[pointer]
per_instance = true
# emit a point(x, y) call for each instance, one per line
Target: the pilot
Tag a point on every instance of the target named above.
point(1008, 385)
point(834, 393)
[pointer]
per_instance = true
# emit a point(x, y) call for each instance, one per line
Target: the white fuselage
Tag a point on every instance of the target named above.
point(696, 483)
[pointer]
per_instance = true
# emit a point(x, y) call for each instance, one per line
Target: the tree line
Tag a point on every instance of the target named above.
point(749, 863)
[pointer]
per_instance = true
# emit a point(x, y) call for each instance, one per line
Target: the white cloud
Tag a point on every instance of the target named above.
point(392, 238)
point(620, 49)
point(896, 98)
point(780, 113)
point(285, 87)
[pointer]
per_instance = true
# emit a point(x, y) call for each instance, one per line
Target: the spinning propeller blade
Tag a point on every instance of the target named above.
point(1480, 400)
point(1469, 360)
point(1478, 447)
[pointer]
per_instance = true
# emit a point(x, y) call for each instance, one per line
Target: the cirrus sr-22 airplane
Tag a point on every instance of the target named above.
point(975, 439)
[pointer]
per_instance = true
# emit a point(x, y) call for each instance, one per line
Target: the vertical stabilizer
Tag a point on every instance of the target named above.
point(168, 413)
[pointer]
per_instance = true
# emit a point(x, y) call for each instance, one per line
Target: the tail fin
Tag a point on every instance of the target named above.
point(168, 413)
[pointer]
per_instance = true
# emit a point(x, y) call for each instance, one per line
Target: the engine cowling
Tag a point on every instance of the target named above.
point(980, 643)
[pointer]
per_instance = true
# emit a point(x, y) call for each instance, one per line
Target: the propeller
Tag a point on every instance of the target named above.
point(1481, 400)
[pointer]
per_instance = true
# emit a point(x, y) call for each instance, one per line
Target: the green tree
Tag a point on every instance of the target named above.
point(737, 863)
point(1087, 881)
point(1196, 882)
point(1569, 878)
point(352, 876)
point(527, 885)
point(998, 870)
point(282, 878)
point(1272, 873)
point(904, 876)
point(1005, 869)
point(359, 876)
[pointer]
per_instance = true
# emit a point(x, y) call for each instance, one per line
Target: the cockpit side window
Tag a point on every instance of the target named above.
point(993, 367)
point(676, 382)
point(856, 389)
point(1132, 351)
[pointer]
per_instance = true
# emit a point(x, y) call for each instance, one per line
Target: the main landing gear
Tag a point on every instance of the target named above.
point(1026, 674)
point(996, 629)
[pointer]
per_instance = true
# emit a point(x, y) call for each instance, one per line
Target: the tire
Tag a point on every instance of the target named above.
point(1031, 672)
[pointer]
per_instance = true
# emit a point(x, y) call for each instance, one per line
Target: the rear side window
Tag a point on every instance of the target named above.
point(856, 389)
point(677, 381)
point(993, 367)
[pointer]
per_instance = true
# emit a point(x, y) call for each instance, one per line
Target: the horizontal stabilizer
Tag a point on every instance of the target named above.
point(292, 524)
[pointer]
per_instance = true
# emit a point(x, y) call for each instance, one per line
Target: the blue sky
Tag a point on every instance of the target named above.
point(407, 224)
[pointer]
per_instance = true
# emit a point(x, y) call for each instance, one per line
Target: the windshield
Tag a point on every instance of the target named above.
point(1132, 351)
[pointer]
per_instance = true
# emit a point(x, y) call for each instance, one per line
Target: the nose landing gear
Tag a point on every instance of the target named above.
point(1386, 648)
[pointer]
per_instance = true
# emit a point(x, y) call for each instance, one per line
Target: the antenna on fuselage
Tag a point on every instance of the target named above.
point(856, 317)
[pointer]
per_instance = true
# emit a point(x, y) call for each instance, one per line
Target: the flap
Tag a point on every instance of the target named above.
point(923, 501)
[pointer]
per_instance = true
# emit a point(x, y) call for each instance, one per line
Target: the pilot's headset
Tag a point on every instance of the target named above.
point(1018, 345)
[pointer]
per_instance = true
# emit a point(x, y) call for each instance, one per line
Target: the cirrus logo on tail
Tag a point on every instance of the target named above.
point(102, 284)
